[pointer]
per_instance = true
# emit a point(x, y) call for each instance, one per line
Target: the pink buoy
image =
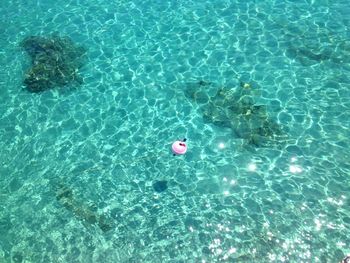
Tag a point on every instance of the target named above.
point(179, 147)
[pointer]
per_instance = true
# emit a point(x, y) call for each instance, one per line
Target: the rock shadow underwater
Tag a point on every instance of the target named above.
point(55, 62)
point(237, 109)
point(160, 186)
point(81, 210)
point(315, 44)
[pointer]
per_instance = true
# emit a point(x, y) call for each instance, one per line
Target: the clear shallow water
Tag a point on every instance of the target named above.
point(107, 141)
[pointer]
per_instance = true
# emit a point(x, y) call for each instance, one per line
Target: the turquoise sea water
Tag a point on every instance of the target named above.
point(104, 143)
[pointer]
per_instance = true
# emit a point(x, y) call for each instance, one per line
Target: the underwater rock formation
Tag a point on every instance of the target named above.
point(85, 213)
point(55, 62)
point(311, 46)
point(236, 108)
point(160, 186)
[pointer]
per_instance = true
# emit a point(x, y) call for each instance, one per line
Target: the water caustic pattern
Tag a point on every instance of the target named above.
point(260, 89)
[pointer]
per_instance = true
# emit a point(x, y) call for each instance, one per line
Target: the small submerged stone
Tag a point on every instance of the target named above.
point(160, 186)
point(17, 257)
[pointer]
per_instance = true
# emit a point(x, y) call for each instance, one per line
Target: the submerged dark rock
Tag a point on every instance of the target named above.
point(81, 210)
point(237, 109)
point(55, 62)
point(17, 257)
point(160, 186)
point(315, 45)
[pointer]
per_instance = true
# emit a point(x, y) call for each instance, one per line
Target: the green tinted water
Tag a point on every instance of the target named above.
point(78, 163)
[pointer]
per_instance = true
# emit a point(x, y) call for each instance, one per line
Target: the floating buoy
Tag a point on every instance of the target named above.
point(179, 147)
